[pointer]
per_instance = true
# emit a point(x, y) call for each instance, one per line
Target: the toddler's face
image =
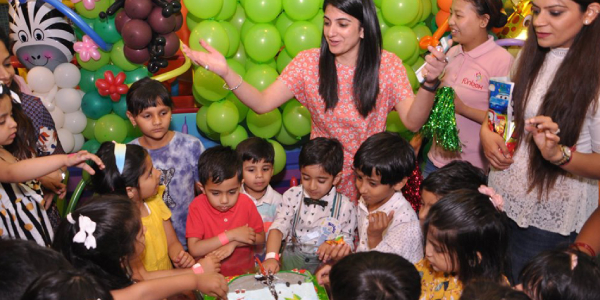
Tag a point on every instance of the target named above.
point(428, 199)
point(316, 181)
point(439, 258)
point(222, 196)
point(154, 122)
point(8, 126)
point(257, 175)
point(149, 180)
point(372, 191)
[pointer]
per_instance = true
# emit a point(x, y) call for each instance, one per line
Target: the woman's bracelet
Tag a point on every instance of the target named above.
point(585, 246)
point(237, 86)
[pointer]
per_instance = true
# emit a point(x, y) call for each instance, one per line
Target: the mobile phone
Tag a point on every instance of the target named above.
point(443, 46)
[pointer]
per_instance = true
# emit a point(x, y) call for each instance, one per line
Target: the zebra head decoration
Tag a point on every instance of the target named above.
point(42, 37)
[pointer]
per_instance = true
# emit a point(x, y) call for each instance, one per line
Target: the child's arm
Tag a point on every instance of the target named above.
point(273, 245)
point(29, 169)
point(179, 257)
point(242, 234)
point(208, 283)
point(378, 223)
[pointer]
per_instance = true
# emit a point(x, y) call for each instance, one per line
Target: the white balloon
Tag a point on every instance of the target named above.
point(79, 140)
point(49, 105)
point(67, 75)
point(58, 116)
point(75, 122)
point(66, 140)
point(68, 100)
point(82, 93)
point(40, 79)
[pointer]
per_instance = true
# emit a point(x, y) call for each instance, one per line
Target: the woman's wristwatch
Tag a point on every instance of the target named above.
point(567, 154)
point(432, 89)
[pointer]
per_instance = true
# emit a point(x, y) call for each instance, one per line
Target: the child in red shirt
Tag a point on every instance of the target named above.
point(221, 220)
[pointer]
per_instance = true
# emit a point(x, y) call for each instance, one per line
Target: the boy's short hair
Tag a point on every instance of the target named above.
point(458, 174)
point(326, 152)
point(22, 262)
point(391, 156)
point(144, 93)
point(255, 149)
point(487, 290)
point(218, 164)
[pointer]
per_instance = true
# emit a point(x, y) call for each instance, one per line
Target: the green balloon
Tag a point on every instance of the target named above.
point(245, 28)
point(203, 9)
point(93, 64)
point(234, 37)
point(401, 41)
point(235, 137)
point(209, 85)
point(88, 81)
point(99, 74)
point(261, 76)
point(286, 138)
point(117, 56)
point(88, 132)
point(240, 55)
point(282, 23)
point(301, 10)
point(412, 77)
point(265, 125)
point(78, 32)
point(241, 107)
point(202, 125)
point(192, 21)
point(228, 10)
point(411, 60)
point(263, 11)
point(434, 9)
point(426, 10)
point(420, 61)
point(301, 35)
point(383, 24)
point(95, 106)
point(137, 74)
point(262, 42)
point(132, 132)
point(283, 59)
point(317, 20)
point(120, 107)
point(199, 99)
point(394, 124)
point(222, 116)
point(236, 66)
point(377, 3)
point(238, 18)
point(399, 12)
point(106, 29)
point(417, 19)
point(110, 128)
point(280, 157)
point(213, 33)
point(252, 63)
point(421, 30)
point(99, 6)
point(296, 118)
point(91, 146)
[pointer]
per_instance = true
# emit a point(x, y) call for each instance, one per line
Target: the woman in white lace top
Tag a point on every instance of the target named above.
point(550, 184)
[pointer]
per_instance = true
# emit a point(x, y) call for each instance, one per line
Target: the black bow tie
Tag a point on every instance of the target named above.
point(310, 201)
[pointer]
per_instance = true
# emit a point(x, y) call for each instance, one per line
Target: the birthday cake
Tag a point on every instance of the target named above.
point(285, 285)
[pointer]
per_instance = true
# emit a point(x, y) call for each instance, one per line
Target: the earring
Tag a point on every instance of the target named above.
point(586, 22)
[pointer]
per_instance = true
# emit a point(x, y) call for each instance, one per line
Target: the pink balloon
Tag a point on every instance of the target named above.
point(136, 34)
point(159, 23)
point(138, 9)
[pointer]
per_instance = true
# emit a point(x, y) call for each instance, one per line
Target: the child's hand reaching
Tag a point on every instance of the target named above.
point(210, 263)
point(183, 260)
point(211, 60)
point(79, 160)
point(271, 266)
point(212, 284)
point(243, 234)
point(378, 222)
point(224, 251)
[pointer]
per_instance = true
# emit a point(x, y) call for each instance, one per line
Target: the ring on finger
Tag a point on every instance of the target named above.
point(206, 67)
point(557, 131)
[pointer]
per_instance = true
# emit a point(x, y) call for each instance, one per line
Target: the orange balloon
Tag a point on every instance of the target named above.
point(440, 17)
point(444, 5)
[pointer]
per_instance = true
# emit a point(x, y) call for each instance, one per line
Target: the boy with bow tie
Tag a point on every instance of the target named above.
point(312, 215)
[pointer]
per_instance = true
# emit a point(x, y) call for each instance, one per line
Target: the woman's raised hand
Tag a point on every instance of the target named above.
point(212, 60)
point(545, 135)
point(436, 63)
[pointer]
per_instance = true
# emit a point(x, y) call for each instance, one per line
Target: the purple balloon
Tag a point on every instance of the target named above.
point(138, 9)
point(159, 23)
point(172, 44)
point(136, 56)
point(136, 34)
point(121, 19)
point(510, 42)
point(178, 21)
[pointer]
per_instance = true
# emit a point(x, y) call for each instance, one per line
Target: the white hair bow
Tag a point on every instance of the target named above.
point(13, 95)
point(85, 235)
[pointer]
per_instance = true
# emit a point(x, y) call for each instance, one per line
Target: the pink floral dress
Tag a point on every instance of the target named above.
point(344, 122)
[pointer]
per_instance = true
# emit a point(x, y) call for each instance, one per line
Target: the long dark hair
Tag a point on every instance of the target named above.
point(24, 144)
point(365, 85)
point(66, 284)
point(117, 226)
point(109, 180)
point(374, 275)
point(473, 233)
point(573, 90)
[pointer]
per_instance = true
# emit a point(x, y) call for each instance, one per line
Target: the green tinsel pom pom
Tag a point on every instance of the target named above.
point(441, 125)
